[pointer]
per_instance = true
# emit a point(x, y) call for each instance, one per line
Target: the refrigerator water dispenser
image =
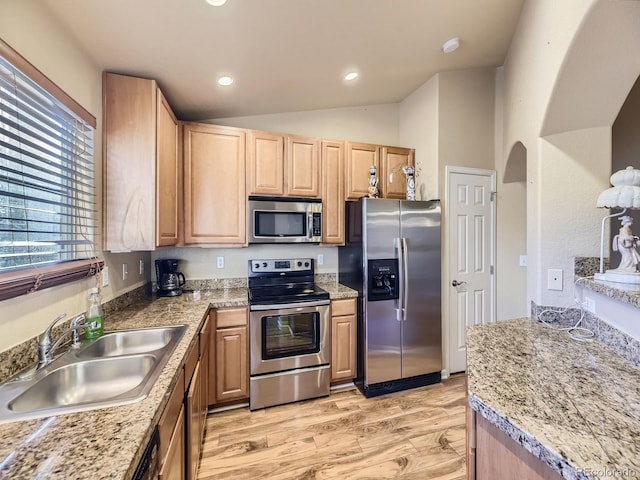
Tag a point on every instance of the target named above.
point(383, 279)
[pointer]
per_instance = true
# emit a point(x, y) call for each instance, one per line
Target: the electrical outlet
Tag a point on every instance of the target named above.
point(105, 277)
point(590, 304)
point(554, 279)
point(321, 259)
point(141, 267)
point(523, 260)
point(220, 263)
point(125, 271)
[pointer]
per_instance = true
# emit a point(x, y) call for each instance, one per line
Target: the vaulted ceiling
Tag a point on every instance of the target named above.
point(287, 55)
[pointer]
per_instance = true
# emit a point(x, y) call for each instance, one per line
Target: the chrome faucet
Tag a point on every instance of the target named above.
point(46, 345)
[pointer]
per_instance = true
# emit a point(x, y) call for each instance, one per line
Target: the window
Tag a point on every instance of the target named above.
point(47, 192)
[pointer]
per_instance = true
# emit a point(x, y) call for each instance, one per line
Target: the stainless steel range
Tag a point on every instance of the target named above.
point(289, 331)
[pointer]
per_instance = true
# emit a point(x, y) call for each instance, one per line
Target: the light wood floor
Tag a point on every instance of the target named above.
point(415, 434)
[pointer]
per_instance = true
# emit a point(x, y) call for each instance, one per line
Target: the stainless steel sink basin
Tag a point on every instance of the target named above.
point(118, 368)
point(130, 342)
point(89, 381)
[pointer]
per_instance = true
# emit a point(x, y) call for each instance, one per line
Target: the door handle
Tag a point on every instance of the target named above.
point(456, 283)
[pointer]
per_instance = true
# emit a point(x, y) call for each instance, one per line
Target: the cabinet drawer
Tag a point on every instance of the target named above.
point(346, 306)
point(231, 317)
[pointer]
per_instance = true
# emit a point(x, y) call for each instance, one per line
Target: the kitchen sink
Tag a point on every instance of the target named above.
point(130, 342)
point(89, 381)
point(118, 368)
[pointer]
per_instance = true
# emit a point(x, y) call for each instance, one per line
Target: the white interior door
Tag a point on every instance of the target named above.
point(470, 233)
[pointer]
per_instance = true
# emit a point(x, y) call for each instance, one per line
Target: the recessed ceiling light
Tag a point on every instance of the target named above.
point(225, 81)
point(216, 3)
point(451, 45)
point(351, 76)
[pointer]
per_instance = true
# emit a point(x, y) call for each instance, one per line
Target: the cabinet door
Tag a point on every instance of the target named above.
point(392, 160)
point(214, 185)
point(360, 157)
point(173, 467)
point(265, 162)
point(302, 161)
point(129, 134)
point(168, 191)
point(343, 347)
point(205, 348)
point(232, 380)
point(194, 430)
point(333, 193)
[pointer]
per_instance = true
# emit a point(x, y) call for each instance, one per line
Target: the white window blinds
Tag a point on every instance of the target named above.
point(47, 198)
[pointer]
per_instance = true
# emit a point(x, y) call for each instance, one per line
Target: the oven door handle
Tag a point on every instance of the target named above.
point(289, 306)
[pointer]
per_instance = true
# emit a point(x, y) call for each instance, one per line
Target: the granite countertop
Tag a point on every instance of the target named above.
point(108, 443)
point(625, 293)
point(575, 405)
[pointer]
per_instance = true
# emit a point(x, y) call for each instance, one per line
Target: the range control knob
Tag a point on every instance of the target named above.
point(299, 264)
point(256, 265)
point(306, 264)
point(264, 264)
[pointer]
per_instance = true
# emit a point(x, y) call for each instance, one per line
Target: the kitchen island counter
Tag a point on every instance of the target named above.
point(572, 404)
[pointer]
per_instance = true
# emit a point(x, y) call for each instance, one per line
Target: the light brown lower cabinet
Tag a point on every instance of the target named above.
point(343, 340)
point(182, 424)
point(493, 455)
point(173, 467)
point(231, 363)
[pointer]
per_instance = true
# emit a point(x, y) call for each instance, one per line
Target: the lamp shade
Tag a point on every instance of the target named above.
point(625, 192)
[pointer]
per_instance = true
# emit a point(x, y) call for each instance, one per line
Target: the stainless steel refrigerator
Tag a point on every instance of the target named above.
point(392, 257)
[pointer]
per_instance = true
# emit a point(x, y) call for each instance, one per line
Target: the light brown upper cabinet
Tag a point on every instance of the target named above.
point(392, 159)
point(333, 192)
point(282, 165)
point(214, 185)
point(360, 157)
point(265, 161)
point(141, 167)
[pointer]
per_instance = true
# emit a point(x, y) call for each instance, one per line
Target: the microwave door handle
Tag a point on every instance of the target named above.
point(309, 225)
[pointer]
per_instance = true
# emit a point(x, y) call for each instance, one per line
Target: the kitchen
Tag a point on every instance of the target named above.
point(548, 109)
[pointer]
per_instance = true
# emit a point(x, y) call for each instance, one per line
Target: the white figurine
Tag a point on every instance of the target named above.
point(625, 243)
point(373, 183)
point(411, 182)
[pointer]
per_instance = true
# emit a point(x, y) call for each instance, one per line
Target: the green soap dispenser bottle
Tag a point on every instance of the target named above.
point(95, 316)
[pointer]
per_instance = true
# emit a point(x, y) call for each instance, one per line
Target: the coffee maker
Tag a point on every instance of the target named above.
point(169, 279)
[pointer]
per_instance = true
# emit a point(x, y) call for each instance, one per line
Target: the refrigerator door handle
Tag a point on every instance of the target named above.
point(399, 308)
point(404, 280)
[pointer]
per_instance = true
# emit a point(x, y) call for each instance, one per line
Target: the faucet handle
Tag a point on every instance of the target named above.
point(46, 335)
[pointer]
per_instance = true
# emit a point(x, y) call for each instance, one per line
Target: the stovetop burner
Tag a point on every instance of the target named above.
point(283, 281)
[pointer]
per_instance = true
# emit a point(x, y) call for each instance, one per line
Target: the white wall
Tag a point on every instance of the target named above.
point(419, 128)
point(535, 59)
point(200, 263)
point(369, 124)
point(28, 28)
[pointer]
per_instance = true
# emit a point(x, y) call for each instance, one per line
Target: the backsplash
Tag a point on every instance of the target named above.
point(621, 343)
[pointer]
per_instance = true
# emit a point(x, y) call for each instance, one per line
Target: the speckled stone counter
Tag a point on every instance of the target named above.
point(108, 443)
point(574, 405)
point(338, 291)
point(625, 293)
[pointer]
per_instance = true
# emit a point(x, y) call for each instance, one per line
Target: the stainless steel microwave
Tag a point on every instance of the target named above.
point(284, 220)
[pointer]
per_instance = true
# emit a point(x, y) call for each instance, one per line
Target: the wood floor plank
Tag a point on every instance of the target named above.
point(414, 434)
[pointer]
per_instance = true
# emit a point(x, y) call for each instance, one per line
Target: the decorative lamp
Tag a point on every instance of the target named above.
point(625, 194)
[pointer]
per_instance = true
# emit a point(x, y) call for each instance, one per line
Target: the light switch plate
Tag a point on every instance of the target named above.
point(220, 263)
point(523, 260)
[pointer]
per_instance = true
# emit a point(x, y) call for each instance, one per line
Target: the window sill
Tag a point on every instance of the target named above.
point(29, 280)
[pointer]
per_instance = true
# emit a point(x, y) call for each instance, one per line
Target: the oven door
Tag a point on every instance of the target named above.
point(289, 336)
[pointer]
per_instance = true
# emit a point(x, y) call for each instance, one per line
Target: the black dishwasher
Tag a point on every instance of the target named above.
point(149, 465)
